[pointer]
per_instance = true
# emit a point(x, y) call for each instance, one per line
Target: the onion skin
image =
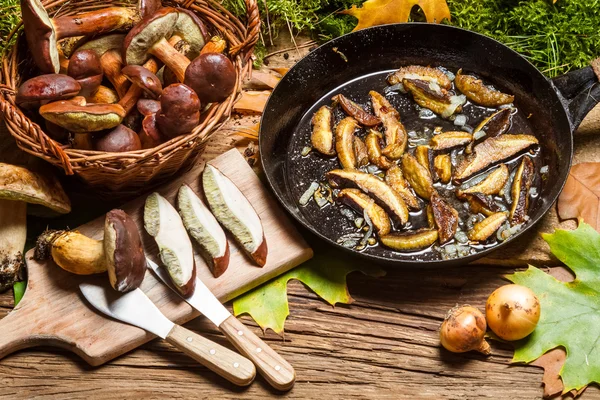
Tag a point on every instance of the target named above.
point(512, 312)
point(464, 330)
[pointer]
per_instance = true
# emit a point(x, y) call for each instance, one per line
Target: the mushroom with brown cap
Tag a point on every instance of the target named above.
point(179, 110)
point(43, 32)
point(119, 140)
point(46, 88)
point(146, 80)
point(149, 134)
point(76, 115)
point(85, 67)
point(19, 186)
point(212, 76)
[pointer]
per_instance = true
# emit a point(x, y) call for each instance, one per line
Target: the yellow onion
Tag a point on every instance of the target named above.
point(512, 312)
point(463, 330)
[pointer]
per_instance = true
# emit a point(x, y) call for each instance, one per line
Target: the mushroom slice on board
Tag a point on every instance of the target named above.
point(233, 210)
point(205, 229)
point(491, 151)
point(445, 217)
point(77, 116)
point(362, 203)
point(492, 184)
point(417, 176)
point(344, 142)
point(396, 137)
point(520, 191)
point(420, 72)
point(434, 97)
point(84, 65)
point(164, 224)
point(321, 137)
point(179, 110)
point(43, 32)
point(19, 186)
point(125, 257)
point(373, 186)
point(46, 88)
point(411, 241)
point(355, 111)
point(395, 179)
point(479, 93)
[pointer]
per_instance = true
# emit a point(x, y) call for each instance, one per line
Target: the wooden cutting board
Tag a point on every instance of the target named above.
point(53, 311)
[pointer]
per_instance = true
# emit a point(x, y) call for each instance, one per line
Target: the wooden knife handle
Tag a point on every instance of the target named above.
point(230, 365)
point(278, 372)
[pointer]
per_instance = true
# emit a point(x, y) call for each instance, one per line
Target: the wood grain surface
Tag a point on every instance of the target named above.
point(383, 346)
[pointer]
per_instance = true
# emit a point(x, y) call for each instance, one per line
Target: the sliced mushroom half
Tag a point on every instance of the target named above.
point(434, 97)
point(396, 137)
point(445, 217)
point(422, 73)
point(477, 92)
point(520, 191)
point(362, 203)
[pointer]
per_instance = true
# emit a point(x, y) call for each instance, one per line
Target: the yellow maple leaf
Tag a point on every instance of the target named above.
point(379, 12)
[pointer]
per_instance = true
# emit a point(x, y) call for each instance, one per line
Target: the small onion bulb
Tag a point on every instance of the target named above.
point(463, 330)
point(512, 312)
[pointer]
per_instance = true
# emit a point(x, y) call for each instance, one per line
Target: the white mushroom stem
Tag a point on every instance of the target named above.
point(173, 59)
point(13, 233)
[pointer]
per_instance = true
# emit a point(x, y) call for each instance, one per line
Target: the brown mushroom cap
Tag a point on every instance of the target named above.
point(148, 7)
point(84, 65)
point(143, 78)
point(48, 87)
point(76, 115)
point(42, 32)
point(179, 110)
point(150, 136)
point(148, 106)
point(108, 48)
point(212, 76)
point(120, 139)
point(125, 256)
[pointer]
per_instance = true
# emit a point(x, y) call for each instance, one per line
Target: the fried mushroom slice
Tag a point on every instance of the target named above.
point(394, 178)
point(491, 151)
point(480, 203)
point(448, 140)
point(422, 156)
point(445, 217)
point(417, 176)
point(432, 96)
point(483, 230)
point(520, 191)
point(412, 241)
point(388, 198)
point(322, 135)
point(422, 73)
point(344, 142)
point(477, 92)
point(373, 143)
point(357, 112)
point(362, 203)
point(442, 165)
point(396, 137)
point(496, 124)
point(492, 184)
point(360, 152)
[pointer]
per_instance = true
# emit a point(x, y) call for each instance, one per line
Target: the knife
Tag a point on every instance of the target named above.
point(135, 308)
point(278, 372)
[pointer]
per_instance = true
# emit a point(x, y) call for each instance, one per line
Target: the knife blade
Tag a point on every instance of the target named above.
point(135, 308)
point(274, 368)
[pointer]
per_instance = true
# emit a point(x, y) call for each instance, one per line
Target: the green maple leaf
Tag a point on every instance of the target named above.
point(570, 312)
point(324, 274)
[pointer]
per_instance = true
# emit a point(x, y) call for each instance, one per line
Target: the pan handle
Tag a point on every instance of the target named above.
point(580, 91)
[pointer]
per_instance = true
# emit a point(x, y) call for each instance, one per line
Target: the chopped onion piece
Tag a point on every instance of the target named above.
point(425, 113)
point(533, 192)
point(372, 169)
point(503, 106)
point(347, 213)
point(460, 120)
point(369, 232)
point(398, 87)
point(479, 134)
point(309, 193)
point(305, 151)
point(467, 128)
point(544, 169)
point(413, 134)
point(358, 222)
point(461, 237)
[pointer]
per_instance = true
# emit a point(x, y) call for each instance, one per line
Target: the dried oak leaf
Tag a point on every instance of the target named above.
point(581, 196)
point(324, 274)
point(379, 12)
point(252, 101)
point(570, 313)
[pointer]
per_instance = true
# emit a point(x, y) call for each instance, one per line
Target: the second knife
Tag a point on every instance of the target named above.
point(277, 371)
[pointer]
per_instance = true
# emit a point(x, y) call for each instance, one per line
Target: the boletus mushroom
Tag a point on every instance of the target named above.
point(212, 76)
point(76, 115)
point(143, 78)
point(164, 224)
point(150, 136)
point(179, 110)
point(85, 67)
point(46, 88)
point(233, 210)
point(43, 32)
point(19, 186)
point(119, 140)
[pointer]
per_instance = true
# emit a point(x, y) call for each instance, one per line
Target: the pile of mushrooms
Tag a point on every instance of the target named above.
point(122, 79)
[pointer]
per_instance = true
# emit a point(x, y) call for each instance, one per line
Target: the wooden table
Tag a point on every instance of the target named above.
point(384, 345)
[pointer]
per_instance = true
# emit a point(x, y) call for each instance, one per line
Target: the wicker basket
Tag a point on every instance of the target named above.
point(134, 171)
